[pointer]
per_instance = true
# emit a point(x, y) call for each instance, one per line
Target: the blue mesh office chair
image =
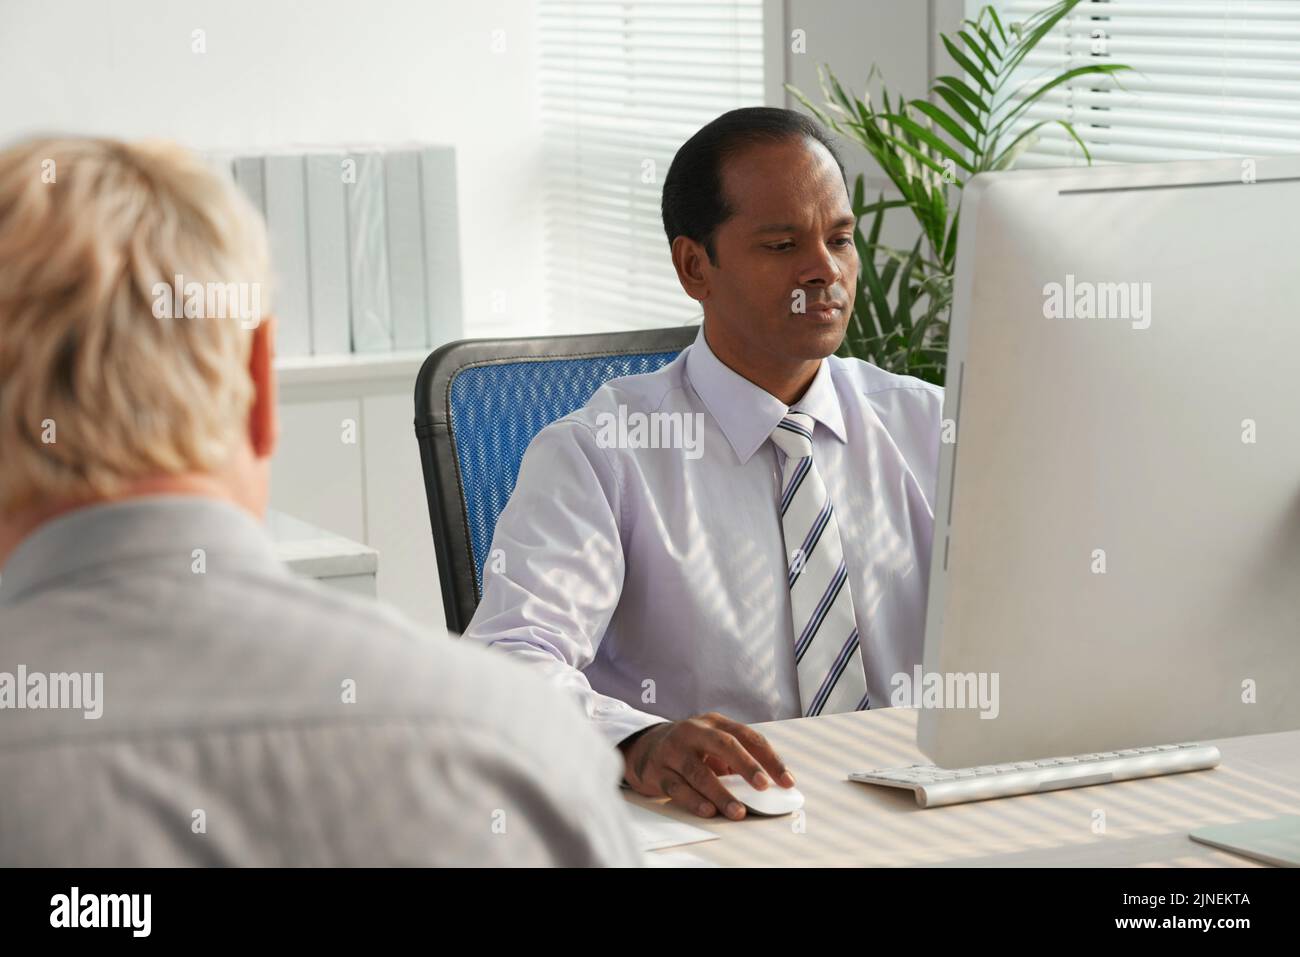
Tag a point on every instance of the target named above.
point(478, 403)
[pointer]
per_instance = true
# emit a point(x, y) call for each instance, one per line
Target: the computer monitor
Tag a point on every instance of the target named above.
point(1117, 521)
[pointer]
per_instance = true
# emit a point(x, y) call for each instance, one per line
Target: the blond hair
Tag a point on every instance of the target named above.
point(95, 389)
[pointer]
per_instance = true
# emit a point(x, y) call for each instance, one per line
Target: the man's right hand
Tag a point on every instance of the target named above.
point(681, 760)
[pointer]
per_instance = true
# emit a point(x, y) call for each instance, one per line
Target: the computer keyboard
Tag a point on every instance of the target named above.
point(936, 786)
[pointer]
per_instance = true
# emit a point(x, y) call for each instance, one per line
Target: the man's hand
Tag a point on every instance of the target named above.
point(682, 760)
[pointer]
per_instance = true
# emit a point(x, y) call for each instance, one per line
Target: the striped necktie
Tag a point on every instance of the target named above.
point(831, 675)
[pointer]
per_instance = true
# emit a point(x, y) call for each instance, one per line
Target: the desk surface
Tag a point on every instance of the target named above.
point(859, 825)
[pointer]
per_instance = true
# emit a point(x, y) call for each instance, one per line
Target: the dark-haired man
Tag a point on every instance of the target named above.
point(774, 563)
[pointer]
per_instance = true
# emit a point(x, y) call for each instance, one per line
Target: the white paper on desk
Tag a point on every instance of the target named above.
point(654, 831)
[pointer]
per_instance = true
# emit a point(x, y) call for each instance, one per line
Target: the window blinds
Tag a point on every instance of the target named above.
point(622, 86)
point(1210, 78)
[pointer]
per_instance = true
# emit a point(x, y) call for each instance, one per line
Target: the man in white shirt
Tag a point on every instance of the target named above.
point(772, 562)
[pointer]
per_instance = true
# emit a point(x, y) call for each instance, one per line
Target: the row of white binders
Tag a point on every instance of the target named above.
point(364, 246)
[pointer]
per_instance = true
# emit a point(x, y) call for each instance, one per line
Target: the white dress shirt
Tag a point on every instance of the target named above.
point(652, 582)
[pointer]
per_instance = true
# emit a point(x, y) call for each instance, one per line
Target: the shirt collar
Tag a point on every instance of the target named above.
point(128, 533)
point(747, 413)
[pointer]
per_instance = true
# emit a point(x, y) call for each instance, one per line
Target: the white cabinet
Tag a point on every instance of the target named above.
point(397, 511)
point(348, 462)
point(316, 472)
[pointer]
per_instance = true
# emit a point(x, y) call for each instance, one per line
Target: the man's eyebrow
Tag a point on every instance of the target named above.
point(792, 228)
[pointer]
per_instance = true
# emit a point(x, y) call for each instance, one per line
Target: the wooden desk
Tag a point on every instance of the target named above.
point(1146, 822)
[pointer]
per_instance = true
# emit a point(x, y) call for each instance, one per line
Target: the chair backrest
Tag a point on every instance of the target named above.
point(478, 403)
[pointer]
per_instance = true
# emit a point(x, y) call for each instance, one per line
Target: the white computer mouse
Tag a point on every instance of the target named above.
point(775, 801)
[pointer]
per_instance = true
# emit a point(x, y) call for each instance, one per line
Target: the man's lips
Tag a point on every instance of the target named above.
point(825, 308)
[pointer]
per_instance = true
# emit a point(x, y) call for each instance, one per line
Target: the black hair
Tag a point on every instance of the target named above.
point(694, 204)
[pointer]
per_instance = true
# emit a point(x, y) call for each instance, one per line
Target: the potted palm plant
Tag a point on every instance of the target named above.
point(928, 148)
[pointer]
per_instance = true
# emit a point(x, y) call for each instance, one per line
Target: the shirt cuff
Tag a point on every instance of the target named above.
point(618, 749)
point(616, 725)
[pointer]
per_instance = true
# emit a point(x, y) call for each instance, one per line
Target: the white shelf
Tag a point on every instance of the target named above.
point(352, 368)
point(315, 553)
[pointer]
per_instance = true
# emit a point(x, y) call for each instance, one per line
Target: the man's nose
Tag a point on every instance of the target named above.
point(821, 269)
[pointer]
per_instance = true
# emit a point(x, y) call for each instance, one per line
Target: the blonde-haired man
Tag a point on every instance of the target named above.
point(169, 694)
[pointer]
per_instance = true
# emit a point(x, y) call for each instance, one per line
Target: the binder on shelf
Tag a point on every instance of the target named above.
point(441, 244)
point(365, 245)
point(327, 254)
point(286, 220)
point(372, 324)
point(221, 162)
point(406, 259)
point(248, 174)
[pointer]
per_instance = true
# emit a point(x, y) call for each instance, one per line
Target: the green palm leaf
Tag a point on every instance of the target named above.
point(968, 124)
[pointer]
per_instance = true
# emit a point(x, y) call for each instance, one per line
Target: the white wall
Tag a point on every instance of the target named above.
point(281, 72)
point(899, 37)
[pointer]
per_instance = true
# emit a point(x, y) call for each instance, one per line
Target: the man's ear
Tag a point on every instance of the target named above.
point(692, 265)
point(263, 417)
